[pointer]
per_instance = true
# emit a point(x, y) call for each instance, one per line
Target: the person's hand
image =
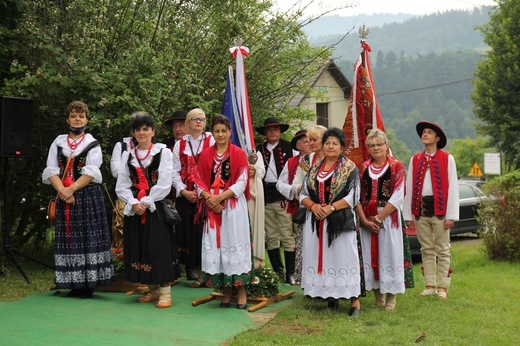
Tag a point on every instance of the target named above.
point(65, 193)
point(371, 225)
point(409, 224)
point(213, 201)
point(189, 195)
point(448, 224)
point(139, 208)
point(70, 200)
point(320, 211)
point(217, 209)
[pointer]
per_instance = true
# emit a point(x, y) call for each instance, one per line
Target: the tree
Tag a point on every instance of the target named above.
point(468, 151)
point(158, 56)
point(496, 90)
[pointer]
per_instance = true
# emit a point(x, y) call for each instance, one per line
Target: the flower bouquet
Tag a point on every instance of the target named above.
point(117, 260)
point(265, 284)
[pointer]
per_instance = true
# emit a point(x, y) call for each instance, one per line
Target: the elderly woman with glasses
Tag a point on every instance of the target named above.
point(186, 154)
point(382, 192)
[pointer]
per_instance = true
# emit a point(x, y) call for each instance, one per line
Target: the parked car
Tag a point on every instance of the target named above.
point(470, 197)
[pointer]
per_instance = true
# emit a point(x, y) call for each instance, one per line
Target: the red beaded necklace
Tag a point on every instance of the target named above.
point(147, 154)
point(322, 173)
point(377, 171)
point(73, 143)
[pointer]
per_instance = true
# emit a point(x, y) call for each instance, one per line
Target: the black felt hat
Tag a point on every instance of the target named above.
point(296, 137)
point(428, 125)
point(269, 122)
point(177, 115)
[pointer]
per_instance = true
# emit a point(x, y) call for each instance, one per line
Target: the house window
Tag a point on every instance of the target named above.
point(322, 114)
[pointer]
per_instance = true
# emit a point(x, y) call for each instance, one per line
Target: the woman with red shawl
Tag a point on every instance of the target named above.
point(382, 192)
point(223, 188)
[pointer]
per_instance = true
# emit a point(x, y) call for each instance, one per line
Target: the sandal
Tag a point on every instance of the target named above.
point(164, 302)
point(197, 283)
point(149, 297)
point(442, 294)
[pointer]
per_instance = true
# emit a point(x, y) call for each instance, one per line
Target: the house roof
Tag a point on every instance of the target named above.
point(338, 76)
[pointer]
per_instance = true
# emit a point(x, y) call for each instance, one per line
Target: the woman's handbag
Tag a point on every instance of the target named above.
point(300, 216)
point(51, 211)
point(51, 207)
point(171, 215)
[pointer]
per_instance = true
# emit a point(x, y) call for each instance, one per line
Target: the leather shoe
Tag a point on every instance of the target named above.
point(191, 274)
point(354, 312)
point(291, 280)
point(333, 304)
point(242, 306)
point(75, 292)
point(225, 305)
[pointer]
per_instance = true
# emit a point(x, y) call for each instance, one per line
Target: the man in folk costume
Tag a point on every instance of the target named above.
point(291, 190)
point(432, 202)
point(177, 123)
point(278, 223)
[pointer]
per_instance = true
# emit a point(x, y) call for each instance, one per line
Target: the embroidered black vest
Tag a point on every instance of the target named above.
point(383, 188)
point(152, 170)
point(79, 162)
point(282, 152)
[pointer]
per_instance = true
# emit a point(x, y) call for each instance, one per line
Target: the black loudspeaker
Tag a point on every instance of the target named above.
point(16, 127)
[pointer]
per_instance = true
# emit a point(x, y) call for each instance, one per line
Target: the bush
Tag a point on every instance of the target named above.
point(498, 218)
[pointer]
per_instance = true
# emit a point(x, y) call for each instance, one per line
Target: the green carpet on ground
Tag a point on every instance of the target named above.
point(117, 319)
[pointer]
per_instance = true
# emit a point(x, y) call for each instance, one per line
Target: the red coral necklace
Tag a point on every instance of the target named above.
point(377, 171)
point(147, 154)
point(73, 143)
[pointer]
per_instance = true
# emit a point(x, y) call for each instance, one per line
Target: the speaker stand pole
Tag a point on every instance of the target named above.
point(7, 251)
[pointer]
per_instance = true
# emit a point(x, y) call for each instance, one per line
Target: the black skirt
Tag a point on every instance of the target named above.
point(150, 253)
point(188, 234)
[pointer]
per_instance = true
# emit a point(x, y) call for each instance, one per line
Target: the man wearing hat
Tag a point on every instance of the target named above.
point(177, 122)
point(291, 191)
point(278, 223)
point(432, 203)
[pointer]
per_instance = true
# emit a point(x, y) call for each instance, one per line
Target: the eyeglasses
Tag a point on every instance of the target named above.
point(198, 119)
point(376, 145)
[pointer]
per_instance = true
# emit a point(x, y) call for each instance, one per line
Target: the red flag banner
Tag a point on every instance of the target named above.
point(363, 110)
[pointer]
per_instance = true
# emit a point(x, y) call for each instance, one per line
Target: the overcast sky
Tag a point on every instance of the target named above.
point(358, 7)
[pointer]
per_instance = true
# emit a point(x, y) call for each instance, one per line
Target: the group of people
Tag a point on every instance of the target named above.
point(234, 206)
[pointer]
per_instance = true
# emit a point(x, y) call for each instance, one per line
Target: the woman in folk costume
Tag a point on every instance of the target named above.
point(314, 135)
point(186, 154)
point(331, 251)
point(143, 181)
point(382, 192)
point(223, 186)
point(82, 246)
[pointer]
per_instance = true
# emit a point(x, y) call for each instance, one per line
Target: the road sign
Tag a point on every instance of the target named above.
point(475, 171)
point(492, 163)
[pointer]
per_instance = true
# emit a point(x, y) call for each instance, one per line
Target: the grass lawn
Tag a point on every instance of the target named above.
point(482, 309)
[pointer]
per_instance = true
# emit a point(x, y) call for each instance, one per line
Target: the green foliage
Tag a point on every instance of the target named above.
point(468, 151)
point(399, 149)
point(157, 56)
point(265, 284)
point(496, 90)
point(499, 217)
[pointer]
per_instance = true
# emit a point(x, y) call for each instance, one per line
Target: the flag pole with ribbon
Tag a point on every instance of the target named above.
point(236, 101)
point(363, 110)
